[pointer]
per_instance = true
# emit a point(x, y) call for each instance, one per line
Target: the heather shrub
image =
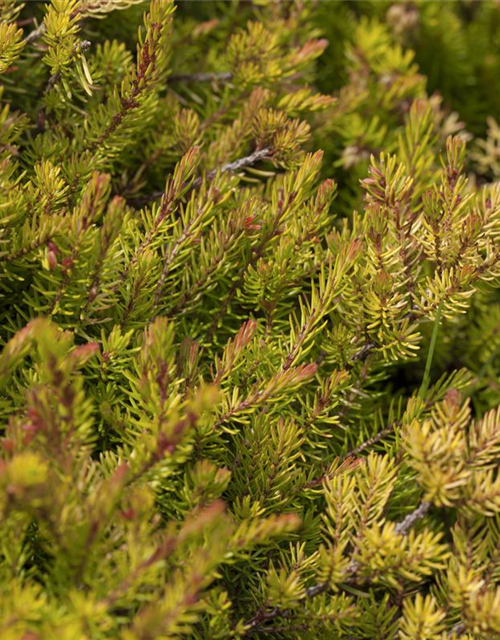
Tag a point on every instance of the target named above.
point(250, 352)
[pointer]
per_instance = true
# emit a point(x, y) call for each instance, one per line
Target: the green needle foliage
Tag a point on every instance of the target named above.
point(250, 355)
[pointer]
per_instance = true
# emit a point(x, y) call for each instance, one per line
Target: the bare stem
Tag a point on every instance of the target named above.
point(230, 167)
point(36, 34)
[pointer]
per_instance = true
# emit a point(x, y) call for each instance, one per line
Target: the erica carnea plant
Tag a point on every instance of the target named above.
point(231, 406)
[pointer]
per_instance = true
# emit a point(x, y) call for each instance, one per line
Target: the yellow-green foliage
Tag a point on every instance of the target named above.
point(249, 362)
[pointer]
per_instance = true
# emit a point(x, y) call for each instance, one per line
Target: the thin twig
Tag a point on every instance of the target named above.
point(373, 440)
point(36, 34)
point(412, 518)
point(457, 630)
point(363, 352)
point(230, 167)
point(246, 161)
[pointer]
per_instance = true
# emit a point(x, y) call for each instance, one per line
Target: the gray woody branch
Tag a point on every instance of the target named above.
point(230, 167)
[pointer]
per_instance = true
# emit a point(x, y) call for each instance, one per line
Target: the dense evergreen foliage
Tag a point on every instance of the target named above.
point(250, 345)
